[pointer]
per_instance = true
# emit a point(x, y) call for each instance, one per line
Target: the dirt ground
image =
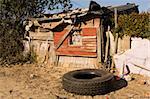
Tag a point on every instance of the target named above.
point(31, 81)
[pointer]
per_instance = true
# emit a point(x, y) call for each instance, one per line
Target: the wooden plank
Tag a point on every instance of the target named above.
point(107, 46)
point(115, 16)
point(41, 35)
point(99, 46)
point(88, 37)
point(116, 42)
point(97, 22)
point(86, 49)
point(63, 38)
point(116, 38)
point(85, 54)
point(78, 60)
point(102, 39)
point(43, 38)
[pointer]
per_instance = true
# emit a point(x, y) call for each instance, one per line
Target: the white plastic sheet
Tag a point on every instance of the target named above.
point(138, 55)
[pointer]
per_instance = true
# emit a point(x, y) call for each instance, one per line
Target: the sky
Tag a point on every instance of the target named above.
point(144, 5)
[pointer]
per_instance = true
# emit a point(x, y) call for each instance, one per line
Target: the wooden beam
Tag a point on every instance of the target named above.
point(115, 16)
point(64, 37)
point(107, 46)
point(99, 46)
point(102, 40)
point(77, 55)
point(149, 19)
point(116, 25)
point(116, 42)
point(116, 38)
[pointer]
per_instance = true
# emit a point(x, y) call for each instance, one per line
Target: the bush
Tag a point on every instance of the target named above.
point(12, 15)
point(134, 25)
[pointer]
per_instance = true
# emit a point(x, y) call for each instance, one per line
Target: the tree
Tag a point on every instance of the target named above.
point(134, 25)
point(12, 15)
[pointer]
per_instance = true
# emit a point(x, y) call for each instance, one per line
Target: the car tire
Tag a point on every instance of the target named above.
point(87, 81)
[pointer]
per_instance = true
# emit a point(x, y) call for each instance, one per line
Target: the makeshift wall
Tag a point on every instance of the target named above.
point(124, 44)
point(87, 48)
point(81, 62)
point(88, 39)
point(43, 50)
point(41, 43)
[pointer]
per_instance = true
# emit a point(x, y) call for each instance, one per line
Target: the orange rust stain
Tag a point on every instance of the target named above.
point(89, 31)
point(89, 44)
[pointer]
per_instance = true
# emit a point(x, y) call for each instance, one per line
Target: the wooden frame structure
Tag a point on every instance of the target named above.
point(50, 35)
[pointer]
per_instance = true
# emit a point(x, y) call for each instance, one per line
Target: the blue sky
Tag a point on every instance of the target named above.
point(144, 5)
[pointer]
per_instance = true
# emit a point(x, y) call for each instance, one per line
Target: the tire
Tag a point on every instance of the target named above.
point(87, 81)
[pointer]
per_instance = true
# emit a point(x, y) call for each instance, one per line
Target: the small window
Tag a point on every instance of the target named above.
point(76, 38)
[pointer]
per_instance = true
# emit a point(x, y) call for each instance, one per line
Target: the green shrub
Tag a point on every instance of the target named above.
point(134, 25)
point(12, 15)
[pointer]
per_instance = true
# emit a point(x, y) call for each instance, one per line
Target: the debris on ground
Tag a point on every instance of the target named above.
point(31, 81)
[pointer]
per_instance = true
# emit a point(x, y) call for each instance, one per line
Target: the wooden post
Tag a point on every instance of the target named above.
point(115, 16)
point(99, 60)
point(52, 51)
point(116, 25)
point(116, 43)
point(102, 40)
point(149, 19)
point(116, 38)
point(107, 46)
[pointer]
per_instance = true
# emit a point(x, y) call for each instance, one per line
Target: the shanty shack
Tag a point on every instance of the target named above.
point(73, 37)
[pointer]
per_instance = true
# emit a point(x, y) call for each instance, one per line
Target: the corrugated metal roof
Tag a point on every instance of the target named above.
point(123, 7)
point(82, 12)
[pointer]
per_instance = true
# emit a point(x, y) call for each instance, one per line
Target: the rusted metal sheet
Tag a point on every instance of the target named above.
point(58, 35)
point(88, 40)
point(80, 49)
point(89, 37)
point(63, 37)
point(89, 31)
point(88, 47)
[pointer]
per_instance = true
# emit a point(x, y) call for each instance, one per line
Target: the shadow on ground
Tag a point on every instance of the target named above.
point(116, 84)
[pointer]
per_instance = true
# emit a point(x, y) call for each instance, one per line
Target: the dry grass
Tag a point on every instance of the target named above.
point(33, 81)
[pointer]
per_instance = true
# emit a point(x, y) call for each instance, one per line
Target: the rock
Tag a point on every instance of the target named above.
point(148, 82)
point(32, 76)
point(128, 78)
point(142, 82)
point(10, 91)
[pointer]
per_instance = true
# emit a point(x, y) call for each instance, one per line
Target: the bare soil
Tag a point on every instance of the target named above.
point(31, 81)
